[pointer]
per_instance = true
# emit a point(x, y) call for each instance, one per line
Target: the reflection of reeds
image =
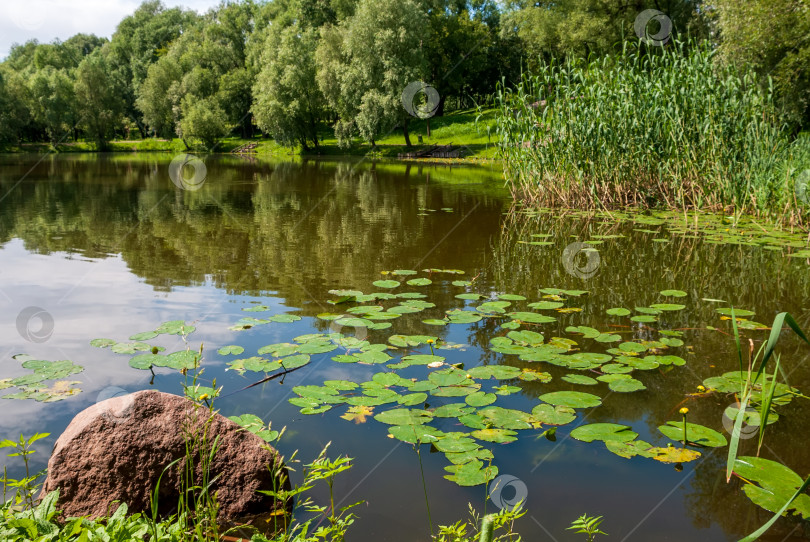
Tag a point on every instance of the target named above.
point(648, 129)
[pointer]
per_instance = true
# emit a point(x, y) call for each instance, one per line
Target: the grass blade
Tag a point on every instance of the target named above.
point(734, 443)
point(765, 408)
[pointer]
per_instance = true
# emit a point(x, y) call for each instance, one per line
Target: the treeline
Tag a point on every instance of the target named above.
point(290, 67)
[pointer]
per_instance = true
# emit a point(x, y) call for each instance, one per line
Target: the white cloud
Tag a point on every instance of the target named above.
point(47, 20)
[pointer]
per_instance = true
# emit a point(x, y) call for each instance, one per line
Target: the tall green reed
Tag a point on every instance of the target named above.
point(649, 128)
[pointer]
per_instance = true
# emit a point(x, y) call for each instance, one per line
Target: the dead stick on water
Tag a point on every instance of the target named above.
point(263, 380)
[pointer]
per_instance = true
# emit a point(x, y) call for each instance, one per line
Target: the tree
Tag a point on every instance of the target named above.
point(288, 104)
point(203, 120)
point(52, 102)
point(14, 114)
point(772, 37)
point(583, 27)
point(379, 54)
point(158, 99)
point(139, 41)
point(98, 99)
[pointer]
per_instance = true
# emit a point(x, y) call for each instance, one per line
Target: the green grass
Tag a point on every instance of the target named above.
point(470, 129)
point(663, 128)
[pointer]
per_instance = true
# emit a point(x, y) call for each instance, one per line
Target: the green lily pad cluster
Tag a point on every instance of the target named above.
point(149, 356)
point(32, 385)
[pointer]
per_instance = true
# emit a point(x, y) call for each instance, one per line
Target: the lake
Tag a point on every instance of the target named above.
point(107, 246)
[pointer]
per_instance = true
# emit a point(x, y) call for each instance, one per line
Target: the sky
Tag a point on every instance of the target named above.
point(46, 20)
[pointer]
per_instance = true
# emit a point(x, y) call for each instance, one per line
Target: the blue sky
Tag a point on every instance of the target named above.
point(46, 20)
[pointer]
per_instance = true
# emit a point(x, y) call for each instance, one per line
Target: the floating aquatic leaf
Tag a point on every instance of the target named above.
point(416, 434)
point(256, 308)
point(358, 414)
point(455, 443)
point(495, 435)
point(673, 293)
point(455, 391)
point(588, 332)
point(403, 416)
point(413, 399)
point(530, 338)
point(506, 418)
point(480, 398)
point(342, 385)
point(546, 305)
point(604, 432)
point(463, 317)
point(530, 375)
point(175, 327)
point(386, 283)
point(630, 449)
point(737, 312)
point(419, 282)
point(147, 361)
point(673, 455)
point(618, 311)
point(469, 296)
point(776, 485)
point(403, 272)
point(667, 306)
point(473, 473)
point(511, 297)
point(580, 379)
point(405, 341)
point(144, 336)
point(573, 399)
point(551, 415)
point(460, 458)
point(697, 434)
point(501, 372)
point(294, 362)
point(255, 425)
point(532, 318)
point(461, 283)
point(230, 350)
point(102, 343)
point(493, 307)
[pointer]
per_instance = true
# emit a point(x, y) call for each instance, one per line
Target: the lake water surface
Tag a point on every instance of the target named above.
point(107, 246)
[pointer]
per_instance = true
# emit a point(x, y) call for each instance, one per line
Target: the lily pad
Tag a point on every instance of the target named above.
point(386, 283)
point(573, 399)
point(697, 434)
point(604, 432)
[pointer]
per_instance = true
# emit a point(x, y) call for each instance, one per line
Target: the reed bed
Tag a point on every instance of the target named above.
point(652, 128)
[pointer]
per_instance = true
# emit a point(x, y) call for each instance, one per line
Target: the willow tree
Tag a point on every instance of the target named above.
point(287, 103)
point(365, 64)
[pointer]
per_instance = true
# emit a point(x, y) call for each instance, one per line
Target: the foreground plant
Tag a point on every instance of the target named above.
point(29, 484)
point(587, 525)
point(499, 526)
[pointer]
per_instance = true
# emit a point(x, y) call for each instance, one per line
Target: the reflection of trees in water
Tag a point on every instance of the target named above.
point(298, 228)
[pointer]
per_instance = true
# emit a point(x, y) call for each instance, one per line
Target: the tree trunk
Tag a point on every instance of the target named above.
point(405, 132)
point(440, 109)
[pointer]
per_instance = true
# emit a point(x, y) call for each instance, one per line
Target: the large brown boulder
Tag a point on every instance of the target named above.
point(117, 449)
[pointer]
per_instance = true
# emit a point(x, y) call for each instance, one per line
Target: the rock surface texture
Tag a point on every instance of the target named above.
point(117, 449)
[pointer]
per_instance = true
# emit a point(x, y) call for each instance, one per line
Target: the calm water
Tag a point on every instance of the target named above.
point(109, 247)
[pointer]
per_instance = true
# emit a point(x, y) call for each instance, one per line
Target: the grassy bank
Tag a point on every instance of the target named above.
point(471, 130)
point(651, 128)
